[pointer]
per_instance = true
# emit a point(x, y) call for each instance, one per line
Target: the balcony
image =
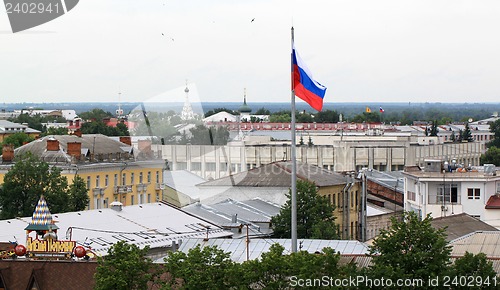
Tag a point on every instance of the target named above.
point(98, 191)
point(141, 187)
point(122, 189)
point(159, 186)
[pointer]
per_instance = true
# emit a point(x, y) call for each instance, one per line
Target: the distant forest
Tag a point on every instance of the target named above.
point(393, 112)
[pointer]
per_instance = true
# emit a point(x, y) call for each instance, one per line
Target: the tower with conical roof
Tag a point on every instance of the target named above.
point(41, 221)
point(187, 110)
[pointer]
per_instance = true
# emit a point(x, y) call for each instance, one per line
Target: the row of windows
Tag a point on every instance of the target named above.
point(449, 193)
point(100, 202)
point(336, 199)
point(123, 179)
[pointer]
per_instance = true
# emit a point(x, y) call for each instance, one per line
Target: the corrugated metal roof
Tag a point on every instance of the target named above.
point(256, 247)
point(153, 224)
point(487, 242)
point(277, 174)
point(255, 213)
point(389, 179)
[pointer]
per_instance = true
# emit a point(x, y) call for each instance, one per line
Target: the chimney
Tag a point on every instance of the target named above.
point(78, 133)
point(7, 153)
point(52, 144)
point(126, 139)
point(75, 149)
point(144, 146)
point(116, 205)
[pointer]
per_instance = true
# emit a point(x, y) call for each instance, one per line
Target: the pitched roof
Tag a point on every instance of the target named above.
point(487, 242)
point(493, 202)
point(97, 144)
point(278, 174)
point(460, 225)
point(153, 224)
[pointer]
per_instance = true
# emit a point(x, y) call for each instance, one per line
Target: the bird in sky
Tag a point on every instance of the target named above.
point(253, 19)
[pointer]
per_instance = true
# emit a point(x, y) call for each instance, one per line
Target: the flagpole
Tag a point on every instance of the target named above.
point(294, 164)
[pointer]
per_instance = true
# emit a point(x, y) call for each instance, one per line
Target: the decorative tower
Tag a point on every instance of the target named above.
point(41, 221)
point(187, 110)
point(245, 110)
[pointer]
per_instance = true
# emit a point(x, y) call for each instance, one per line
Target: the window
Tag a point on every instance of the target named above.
point(473, 193)
point(106, 180)
point(195, 166)
point(97, 181)
point(124, 179)
point(88, 182)
point(116, 179)
point(132, 178)
point(140, 178)
point(131, 200)
point(334, 199)
point(149, 197)
point(157, 177)
point(149, 176)
point(446, 193)
point(410, 195)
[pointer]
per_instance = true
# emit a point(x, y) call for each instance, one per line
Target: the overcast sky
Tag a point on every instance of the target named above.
point(361, 50)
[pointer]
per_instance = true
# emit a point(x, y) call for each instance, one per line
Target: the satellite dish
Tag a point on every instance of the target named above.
point(470, 120)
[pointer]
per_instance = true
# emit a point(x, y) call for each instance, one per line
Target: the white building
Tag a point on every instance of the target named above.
point(441, 193)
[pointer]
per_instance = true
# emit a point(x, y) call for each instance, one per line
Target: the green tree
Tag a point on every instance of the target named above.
point(78, 197)
point(492, 156)
point(207, 268)
point(315, 218)
point(202, 135)
point(434, 129)
point(410, 248)
point(26, 181)
point(466, 134)
point(279, 270)
point(263, 111)
point(495, 129)
point(17, 139)
point(217, 110)
point(125, 267)
point(95, 114)
point(471, 265)
point(372, 117)
point(326, 116)
point(56, 131)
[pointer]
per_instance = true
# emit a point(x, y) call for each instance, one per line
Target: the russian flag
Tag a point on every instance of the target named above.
point(304, 85)
point(381, 110)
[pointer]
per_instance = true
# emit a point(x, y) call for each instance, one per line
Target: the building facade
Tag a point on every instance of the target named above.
point(112, 170)
point(441, 192)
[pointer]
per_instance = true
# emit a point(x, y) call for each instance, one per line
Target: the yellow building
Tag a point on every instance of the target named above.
point(8, 128)
point(113, 170)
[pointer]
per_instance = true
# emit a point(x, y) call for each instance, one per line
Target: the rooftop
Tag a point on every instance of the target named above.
point(153, 224)
point(278, 174)
point(460, 225)
point(256, 247)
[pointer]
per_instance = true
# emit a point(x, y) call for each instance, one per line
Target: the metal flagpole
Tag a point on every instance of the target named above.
point(294, 165)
